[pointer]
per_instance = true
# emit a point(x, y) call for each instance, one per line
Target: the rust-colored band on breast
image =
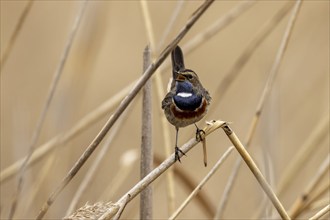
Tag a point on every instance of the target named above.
point(190, 114)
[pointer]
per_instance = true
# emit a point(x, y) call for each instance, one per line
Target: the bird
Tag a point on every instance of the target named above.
point(187, 101)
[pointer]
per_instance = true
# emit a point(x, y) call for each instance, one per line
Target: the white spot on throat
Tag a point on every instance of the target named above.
point(184, 94)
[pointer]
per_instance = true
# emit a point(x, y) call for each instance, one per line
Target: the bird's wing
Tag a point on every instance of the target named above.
point(167, 100)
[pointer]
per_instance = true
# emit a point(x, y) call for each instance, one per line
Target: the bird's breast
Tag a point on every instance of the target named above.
point(187, 101)
point(182, 118)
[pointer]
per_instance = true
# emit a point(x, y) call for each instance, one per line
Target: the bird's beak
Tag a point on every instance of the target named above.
point(180, 77)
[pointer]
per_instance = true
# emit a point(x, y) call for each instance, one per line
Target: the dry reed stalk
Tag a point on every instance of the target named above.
point(160, 94)
point(202, 183)
point(265, 93)
point(321, 213)
point(255, 170)
point(142, 184)
point(50, 95)
point(298, 205)
point(204, 152)
point(146, 160)
point(123, 105)
point(14, 35)
point(109, 105)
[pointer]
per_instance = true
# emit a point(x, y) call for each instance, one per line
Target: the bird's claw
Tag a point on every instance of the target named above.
point(177, 156)
point(200, 134)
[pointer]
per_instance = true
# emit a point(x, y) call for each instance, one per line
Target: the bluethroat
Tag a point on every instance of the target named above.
point(187, 101)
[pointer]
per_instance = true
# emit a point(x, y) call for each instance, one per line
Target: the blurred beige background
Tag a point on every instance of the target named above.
point(106, 56)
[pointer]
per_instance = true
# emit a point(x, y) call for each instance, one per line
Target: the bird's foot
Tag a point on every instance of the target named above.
point(177, 151)
point(200, 134)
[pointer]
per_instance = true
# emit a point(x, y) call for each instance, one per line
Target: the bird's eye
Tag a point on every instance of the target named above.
point(189, 76)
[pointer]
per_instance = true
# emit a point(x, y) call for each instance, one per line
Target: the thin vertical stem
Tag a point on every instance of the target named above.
point(160, 94)
point(146, 145)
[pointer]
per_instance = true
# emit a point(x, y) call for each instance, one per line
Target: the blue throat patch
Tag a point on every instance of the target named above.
point(185, 99)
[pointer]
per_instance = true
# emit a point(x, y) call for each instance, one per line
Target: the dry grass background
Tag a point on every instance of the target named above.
point(106, 56)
